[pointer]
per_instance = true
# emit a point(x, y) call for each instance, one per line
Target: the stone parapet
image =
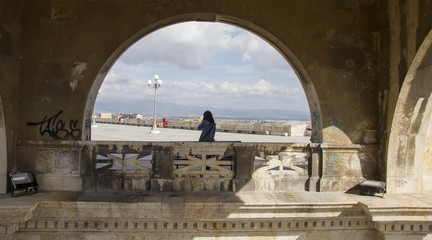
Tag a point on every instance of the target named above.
point(197, 166)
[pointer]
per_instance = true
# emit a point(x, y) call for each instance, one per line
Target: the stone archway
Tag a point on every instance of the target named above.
point(314, 106)
point(410, 124)
point(3, 152)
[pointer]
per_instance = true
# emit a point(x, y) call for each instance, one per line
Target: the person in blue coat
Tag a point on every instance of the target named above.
point(208, 127)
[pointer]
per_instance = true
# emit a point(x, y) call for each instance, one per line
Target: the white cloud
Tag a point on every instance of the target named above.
point(188, 45)
point(231, 95)
point(192, 45)
point(257, 77)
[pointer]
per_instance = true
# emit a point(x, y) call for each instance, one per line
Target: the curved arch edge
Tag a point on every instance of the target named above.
point(306, 82)
point(410, 122)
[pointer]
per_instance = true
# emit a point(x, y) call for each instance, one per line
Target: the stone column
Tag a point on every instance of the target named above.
point(87, 168)
point(315, 165)
point(163, 179)
point(244, 167)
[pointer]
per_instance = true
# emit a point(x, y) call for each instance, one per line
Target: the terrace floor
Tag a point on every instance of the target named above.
point(120, 132)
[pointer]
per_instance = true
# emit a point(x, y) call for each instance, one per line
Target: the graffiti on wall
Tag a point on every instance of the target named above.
point(57, 128)
point(332, 164)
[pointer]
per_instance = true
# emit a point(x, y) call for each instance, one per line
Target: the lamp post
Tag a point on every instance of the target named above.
point(156, 83)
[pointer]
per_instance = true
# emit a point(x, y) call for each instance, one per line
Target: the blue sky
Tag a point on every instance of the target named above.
point(211, 64)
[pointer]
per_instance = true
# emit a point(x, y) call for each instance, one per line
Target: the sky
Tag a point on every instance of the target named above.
point(214, 65)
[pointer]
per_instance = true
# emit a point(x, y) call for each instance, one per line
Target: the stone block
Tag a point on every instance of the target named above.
point(50, 182)
point(297, 130)
point(66, 162)
point(370, 137)
point(59, 182)
point(72, 183)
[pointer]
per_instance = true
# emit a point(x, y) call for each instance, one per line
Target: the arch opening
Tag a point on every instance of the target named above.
point(312, 102)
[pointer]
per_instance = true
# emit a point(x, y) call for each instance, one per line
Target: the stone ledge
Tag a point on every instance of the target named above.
point(352, 223)
point(419, 228)
point(142, 213)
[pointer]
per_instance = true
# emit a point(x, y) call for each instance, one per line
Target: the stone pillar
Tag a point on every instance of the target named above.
point(243, 168)
point(87, 168)
point(56, 164)
point(315, 167)
point(163, 179)
point(346, 165)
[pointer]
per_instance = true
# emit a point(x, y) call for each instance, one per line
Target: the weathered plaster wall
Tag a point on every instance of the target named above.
point(67, 48)
point(66, 45)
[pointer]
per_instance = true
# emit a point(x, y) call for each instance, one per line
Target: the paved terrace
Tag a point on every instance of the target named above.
point(119, 132)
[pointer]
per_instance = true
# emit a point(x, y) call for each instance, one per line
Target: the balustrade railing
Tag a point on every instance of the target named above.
point(197, 166)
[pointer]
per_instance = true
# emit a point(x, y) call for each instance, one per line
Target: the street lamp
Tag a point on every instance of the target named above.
point(156, 83)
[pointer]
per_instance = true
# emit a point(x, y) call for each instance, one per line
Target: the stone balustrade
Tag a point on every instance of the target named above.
point(196, 166)
point(171, 188)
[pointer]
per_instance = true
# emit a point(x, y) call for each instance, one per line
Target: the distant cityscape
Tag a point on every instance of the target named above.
point(238, 125)
point(175, 111)
point(239, 119)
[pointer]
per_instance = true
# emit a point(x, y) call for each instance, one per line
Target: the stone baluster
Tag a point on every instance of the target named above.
point(163, 179)
point(315, 161)
point(243, 167)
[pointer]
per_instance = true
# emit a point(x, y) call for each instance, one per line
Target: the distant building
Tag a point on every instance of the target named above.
point(106, 115)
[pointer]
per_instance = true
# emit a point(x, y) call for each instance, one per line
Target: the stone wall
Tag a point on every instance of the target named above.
point(364, 65)
point(60, 52)
point(197, 166)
